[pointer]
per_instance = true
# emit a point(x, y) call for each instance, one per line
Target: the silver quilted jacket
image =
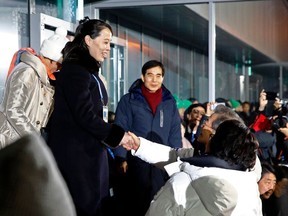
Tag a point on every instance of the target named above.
point(28, 100)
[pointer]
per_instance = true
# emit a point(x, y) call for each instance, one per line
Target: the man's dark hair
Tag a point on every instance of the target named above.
point(152, 64)
point(267, 168)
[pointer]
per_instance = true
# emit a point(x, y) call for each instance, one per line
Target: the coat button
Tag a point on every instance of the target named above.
point(37, 122)
point(41, 103)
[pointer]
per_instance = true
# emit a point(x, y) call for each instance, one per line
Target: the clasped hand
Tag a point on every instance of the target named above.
point(130, 141)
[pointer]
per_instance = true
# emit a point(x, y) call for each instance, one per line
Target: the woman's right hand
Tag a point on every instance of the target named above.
point(130, 142)
point(136, 141)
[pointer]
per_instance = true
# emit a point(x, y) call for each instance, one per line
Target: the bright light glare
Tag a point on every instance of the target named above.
point(9, 45)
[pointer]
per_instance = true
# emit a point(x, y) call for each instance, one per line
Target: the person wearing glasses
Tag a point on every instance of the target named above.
point(193, 115)
point(28, 98)
point(148, 110)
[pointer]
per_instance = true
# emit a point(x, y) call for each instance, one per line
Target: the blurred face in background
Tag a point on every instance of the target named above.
point(196, 114)
point(246, 107)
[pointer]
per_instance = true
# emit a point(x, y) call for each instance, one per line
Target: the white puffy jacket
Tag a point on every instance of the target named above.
point(201, 191)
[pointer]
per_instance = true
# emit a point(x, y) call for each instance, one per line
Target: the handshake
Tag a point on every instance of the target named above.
point(130, 141)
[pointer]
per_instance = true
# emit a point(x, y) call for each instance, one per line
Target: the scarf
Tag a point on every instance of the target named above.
point(153, 98)
point(49, 72)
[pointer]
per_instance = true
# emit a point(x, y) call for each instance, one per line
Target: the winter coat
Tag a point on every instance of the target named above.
point(28, 100)
point(134, 114)
point(208, 192)
point(222, 191)
point(78, 132)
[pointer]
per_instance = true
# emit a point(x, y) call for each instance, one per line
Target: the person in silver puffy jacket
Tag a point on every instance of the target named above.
point(28, 97)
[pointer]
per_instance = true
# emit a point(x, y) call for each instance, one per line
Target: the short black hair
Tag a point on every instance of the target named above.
point(152, 64)
point(267, 168)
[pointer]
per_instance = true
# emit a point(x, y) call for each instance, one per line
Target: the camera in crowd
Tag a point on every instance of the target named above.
point(271, 96)
point(279, 122)
point(274, 110)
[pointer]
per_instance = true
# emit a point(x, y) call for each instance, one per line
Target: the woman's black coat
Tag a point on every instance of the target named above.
point(77, 133)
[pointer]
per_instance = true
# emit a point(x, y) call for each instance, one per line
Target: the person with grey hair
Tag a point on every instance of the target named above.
point(28, 98)
point(178, 163)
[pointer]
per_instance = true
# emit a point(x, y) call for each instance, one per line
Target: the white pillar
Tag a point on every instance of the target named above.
point(212, 48)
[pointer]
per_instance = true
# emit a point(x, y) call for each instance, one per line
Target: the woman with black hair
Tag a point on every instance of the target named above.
point(79, 129)
point(225, 184)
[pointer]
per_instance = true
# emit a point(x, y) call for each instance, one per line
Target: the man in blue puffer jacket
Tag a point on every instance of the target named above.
point(148, 110)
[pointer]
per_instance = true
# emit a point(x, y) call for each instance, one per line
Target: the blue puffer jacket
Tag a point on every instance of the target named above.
point(134, 114)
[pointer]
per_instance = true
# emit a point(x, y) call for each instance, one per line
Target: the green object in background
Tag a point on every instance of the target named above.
point(60, 9)
point(182, 103)
point(234, 103)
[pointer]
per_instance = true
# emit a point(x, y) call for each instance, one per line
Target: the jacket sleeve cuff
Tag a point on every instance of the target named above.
point(114, 137)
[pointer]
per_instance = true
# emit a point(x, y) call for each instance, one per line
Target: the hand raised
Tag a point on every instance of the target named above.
point(262, 100)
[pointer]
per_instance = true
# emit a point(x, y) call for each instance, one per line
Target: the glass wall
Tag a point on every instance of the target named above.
point(14, 32)
point(249, 35)
point(258, 42)
point(151, 38)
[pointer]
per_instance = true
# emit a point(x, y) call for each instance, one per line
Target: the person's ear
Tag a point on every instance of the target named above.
point(188, 116)
point(142, 77)
point(88, 40)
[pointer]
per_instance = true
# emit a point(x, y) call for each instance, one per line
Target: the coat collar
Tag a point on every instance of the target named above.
point(35, 62)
